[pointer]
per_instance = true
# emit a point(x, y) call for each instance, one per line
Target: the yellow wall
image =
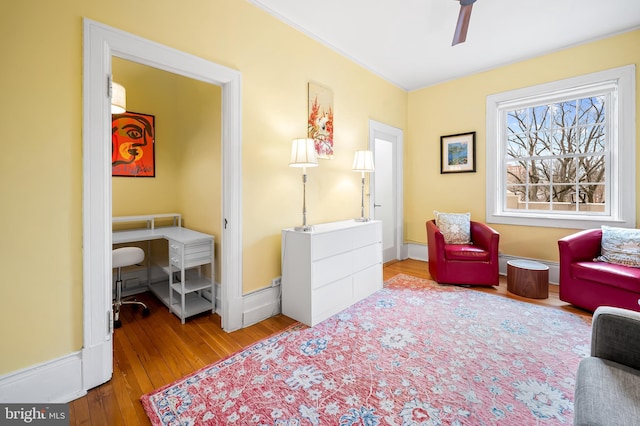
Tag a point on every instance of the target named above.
point(459, 106)
point(150, 91)
point(188, 150)
point(41, 166)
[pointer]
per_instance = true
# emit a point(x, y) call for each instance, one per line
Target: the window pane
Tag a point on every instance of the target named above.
point(515, 197)
point(540, 117)
point(595, 195)
point(517, 121)
point(564, 170)
point(591, 169)
point(516, 172)
point(543, 143)
point(564, 114)
point(540, 172)
point(516, 146)
point(558, 142)
point(563, 193)
point(591, 138)
point(534, 193)
point(591, 110)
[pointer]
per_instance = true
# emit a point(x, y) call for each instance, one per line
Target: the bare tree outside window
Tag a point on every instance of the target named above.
point(555, 156)
point(562, 154)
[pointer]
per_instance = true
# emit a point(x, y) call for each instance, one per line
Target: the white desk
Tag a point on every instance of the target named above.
point(188, 251)
point(149, 219)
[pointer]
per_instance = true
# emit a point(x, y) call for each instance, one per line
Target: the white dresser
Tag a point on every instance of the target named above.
point(330, 268)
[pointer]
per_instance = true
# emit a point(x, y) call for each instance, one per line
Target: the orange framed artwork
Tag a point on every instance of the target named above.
point(320, 119)
point(133, 145)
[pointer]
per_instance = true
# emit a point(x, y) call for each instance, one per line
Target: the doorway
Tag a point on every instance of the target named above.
point(387, 187)
point(101, 43)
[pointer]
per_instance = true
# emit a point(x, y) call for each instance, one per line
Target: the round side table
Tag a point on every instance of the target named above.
point(528, 278)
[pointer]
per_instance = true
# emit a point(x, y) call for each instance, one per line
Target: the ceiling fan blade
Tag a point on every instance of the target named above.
point(463, 24)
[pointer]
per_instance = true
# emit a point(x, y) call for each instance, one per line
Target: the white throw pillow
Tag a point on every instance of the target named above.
point(620, 246)
point(455, 227)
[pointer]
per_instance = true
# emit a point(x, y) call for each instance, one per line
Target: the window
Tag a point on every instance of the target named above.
point(562, 154)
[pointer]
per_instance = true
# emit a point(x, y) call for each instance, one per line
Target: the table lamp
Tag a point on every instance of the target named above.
point(303, 154)
point(363, 162)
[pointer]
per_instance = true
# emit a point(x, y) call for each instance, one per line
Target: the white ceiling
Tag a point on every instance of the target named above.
point(408, 42)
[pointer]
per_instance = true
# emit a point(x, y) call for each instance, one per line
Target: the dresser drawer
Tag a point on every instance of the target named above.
point(330, 269)
point(367, 256)
point(367, 234)
point(331, 243)
point(331, 299)
point(367, 281)
point(195, 254)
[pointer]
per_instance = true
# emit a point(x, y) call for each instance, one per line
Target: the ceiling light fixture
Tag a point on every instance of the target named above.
point(118, 98)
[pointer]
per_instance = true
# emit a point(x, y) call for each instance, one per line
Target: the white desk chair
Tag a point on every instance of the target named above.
point(121, 257)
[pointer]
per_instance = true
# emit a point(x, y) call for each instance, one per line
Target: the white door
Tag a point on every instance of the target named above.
point(100, 43)
point(386, 186)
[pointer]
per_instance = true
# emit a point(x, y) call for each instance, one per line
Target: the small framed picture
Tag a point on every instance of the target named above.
point(458, 153)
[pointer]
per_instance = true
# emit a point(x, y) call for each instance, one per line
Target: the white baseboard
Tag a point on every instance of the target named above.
point(419, 252)
point(55, 381)
point(60, 380)
point(554, 267)
point(260, 305)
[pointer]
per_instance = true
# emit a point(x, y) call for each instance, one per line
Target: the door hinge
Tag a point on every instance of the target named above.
point(109, 86)
point(110, 322)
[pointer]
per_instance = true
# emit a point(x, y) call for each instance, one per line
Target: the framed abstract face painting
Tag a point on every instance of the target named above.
point(133, 145)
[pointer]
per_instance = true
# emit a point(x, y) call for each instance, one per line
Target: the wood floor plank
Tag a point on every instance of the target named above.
point(126, 395)
point(138, 360)
point(146, 346)
point(155, 351)
point(79, 411)
point(112, 410)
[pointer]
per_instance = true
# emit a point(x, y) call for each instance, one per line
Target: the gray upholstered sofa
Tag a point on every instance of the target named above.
point(608, 382)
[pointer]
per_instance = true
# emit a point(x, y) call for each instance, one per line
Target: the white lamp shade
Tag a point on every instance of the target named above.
point(363, 162)
point(118, 98)
point(303, 153)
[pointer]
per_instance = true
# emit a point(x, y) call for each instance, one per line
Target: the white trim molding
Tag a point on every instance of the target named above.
point(260, 305)
point(618, 86)
point(56, 381)
point(101, 43)
point(379, 130)
point(420, 252)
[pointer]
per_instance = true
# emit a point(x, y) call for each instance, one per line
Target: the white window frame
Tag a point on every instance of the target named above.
point(621, 173)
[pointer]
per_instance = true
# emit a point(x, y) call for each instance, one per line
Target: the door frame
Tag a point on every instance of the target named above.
point(101, 42)
point(377, 128)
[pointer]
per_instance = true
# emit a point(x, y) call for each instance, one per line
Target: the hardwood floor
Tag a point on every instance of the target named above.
point(157, 350)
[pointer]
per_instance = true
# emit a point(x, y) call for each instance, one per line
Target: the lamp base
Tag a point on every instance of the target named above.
point(304, 228)
point(362, 219)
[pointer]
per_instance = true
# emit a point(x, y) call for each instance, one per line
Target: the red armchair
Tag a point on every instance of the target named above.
point(588, 284)
point(475, 263)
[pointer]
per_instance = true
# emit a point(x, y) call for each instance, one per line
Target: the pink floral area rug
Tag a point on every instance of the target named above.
point(414, 353)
